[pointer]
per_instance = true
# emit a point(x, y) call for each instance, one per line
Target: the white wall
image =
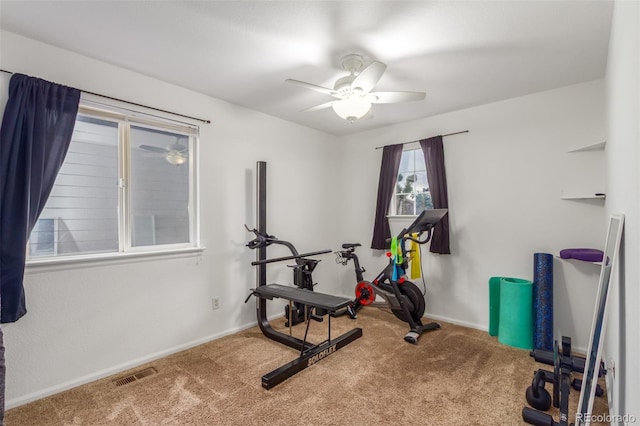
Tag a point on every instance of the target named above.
point(623, 160)
point(88, 321)
point(505, 178)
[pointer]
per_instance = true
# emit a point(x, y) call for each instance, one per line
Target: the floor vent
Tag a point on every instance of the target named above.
point(135, 376)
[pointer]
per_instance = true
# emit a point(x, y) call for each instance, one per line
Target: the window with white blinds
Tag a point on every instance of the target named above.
point(127, 185)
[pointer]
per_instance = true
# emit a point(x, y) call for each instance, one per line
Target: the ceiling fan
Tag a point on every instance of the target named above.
point(175, 153)
point(353, 92)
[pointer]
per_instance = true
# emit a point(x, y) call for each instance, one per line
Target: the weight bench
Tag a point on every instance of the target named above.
point(309, 353)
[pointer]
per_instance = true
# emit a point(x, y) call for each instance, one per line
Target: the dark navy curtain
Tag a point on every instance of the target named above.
point(36, 131)
point(433, 151)
point(391, 155)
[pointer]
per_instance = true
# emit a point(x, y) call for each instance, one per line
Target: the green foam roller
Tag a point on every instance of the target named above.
point(516, 314)
point(494, 305)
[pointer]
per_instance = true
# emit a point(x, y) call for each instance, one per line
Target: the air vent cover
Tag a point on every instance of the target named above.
point(135, 376)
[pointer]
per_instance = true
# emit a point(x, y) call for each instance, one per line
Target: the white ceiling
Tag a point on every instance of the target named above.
point(461, 53)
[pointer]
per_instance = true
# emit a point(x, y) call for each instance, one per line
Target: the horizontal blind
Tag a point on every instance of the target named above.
point(119, 114)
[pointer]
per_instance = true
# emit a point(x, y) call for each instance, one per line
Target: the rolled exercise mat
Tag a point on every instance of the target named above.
point(516, 314)
point(494, 305)
point(543, 301)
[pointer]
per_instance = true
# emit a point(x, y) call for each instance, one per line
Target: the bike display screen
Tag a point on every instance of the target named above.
point(424, 221)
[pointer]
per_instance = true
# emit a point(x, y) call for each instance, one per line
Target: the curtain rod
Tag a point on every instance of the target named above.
point(404, 143)
point(136, 104)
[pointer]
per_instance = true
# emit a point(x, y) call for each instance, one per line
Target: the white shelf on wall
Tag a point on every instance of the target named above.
point(578, 261)
point(594, 147)
point(587, 172)
point(596, 196)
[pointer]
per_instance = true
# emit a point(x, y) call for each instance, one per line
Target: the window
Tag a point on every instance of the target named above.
point(412, 194)
point(43, 238)
point(127, 185)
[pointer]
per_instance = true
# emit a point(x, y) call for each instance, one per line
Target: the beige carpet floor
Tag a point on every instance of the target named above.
point(454, 376)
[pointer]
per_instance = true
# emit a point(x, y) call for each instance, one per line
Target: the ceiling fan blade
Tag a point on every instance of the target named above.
point(369, 76)
point(317, 88)
point(393, 97)
point(321, 106)
point(154, 149)
point(178, 148)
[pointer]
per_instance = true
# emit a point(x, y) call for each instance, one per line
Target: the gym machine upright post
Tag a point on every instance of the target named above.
point(311, 300)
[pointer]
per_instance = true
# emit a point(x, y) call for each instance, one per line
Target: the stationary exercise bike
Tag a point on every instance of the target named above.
point(403, 297)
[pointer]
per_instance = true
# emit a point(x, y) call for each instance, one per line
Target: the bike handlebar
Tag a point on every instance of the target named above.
point(417, 240)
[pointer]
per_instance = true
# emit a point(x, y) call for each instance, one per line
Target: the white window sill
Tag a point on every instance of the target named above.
point(398, 222)
point(101, 259)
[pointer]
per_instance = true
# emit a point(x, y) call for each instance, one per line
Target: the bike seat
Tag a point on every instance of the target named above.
point(350, 245)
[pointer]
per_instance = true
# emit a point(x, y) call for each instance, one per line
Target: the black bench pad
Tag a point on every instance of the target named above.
point(302, 295)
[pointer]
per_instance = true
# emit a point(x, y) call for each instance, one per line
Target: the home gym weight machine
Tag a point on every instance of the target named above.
point(403, 297)
point(312, 303)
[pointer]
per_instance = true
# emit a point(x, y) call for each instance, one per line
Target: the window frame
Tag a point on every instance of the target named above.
point(392, 212)
point(125, 119)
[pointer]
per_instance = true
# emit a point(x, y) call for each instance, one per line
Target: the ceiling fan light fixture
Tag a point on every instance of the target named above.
point(354, 91)
point(353, 108)
point(175, 158)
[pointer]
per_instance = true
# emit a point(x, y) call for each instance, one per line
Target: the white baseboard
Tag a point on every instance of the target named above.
point(457, 322)
point(578, 349)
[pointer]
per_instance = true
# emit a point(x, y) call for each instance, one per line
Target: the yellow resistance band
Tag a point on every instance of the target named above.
point(415, 258)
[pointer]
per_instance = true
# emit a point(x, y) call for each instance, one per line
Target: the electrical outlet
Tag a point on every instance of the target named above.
point(215, 303)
